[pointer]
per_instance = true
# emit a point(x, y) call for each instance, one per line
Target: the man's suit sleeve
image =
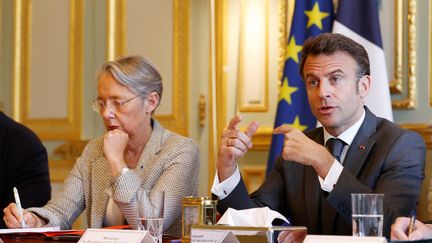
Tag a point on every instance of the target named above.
point(26, 166)
point(237, 199)
point(269, 194)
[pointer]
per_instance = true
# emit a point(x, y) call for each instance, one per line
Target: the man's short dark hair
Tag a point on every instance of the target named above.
point(329, 43)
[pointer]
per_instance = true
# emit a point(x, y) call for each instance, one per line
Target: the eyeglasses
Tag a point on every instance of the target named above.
point(115, 105)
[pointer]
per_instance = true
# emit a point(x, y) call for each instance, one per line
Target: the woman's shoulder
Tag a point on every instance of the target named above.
point(173, 140)
point(93, 147)
point(177, 140)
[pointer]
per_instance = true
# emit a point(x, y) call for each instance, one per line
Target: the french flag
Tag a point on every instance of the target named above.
point(359, 20)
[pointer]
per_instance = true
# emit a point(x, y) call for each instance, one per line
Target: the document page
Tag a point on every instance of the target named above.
point(29, 230)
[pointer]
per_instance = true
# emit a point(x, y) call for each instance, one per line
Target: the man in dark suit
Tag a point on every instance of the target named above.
point(24, 164)
point(310, 185)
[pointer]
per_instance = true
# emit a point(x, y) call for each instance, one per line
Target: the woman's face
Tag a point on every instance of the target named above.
point(124, 110)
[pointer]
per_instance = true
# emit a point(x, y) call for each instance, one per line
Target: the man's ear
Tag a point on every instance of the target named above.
point(364, 85)
point(152, 101)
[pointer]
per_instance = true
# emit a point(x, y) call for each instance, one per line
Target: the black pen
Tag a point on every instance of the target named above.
point(412, 223)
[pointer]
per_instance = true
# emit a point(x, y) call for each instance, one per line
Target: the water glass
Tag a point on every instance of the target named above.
point(367, 214)
point(151, 212)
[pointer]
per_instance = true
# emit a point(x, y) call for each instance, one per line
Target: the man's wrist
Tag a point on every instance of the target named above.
point(225, 173)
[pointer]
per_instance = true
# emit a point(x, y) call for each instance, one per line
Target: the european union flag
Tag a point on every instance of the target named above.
point(311, 17)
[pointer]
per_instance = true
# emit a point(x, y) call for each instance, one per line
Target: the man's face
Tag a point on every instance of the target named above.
point(335, 93)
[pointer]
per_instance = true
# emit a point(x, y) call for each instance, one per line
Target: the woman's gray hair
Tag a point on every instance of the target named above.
point(135, 72)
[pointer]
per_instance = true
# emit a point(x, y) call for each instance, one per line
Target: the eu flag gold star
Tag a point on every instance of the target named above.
point(298, 125)
point(286, 91)
point(315, 16)
point(293, 49)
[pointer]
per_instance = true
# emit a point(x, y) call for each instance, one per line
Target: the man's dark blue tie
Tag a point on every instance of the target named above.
point(328, 212)
point(335, 146)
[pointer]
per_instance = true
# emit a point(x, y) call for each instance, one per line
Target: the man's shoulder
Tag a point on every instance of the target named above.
point(17, 133)
point(390, 131)
point(387, 127)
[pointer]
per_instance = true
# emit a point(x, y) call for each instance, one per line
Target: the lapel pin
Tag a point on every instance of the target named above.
point(362, 147)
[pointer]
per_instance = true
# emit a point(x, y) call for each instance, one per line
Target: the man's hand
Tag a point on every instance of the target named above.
point(292, 236)
point(234, 144)
point(299, 148)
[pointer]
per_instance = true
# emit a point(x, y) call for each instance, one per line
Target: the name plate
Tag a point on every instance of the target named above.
point(213, 236)
point(342, 239)
point(116, 236)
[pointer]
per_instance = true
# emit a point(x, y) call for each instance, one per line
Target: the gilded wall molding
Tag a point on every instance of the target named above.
point(115, 28)
point(47, 128)
point(253, 176)
point(117, 31)
point(63, 159)
point(396, 85)
point(255, 105)
point(283, 35)
point(262, 139)
point(286, 12)
point(219, 87)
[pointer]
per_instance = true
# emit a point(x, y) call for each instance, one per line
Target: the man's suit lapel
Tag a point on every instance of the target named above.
point(361, 145)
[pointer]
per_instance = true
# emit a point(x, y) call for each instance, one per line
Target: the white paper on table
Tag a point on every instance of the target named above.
point(255, 217)
point(342, 239)
point(29, 230)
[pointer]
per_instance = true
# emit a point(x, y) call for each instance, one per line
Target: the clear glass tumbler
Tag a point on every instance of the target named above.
point(151, 212)
point(367, 214)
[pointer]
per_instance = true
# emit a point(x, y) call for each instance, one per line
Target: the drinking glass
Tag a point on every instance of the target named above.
point(150, 212)
point(367, 214)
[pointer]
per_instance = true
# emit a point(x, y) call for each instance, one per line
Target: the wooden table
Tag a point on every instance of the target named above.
point(33, 239)
point(40, 239)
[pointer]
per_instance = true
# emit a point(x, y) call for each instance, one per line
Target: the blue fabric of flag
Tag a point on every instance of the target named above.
point(368, 25)
point(310, 18)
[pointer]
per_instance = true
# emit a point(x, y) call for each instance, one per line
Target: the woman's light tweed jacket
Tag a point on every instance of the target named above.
point(169, 162)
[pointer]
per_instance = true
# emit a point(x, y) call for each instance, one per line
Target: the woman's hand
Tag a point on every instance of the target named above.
point(400, 227)
point(114, 145)
point(13, 218)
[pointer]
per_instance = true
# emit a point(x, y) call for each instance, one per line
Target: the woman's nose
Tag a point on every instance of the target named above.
point(107, 111)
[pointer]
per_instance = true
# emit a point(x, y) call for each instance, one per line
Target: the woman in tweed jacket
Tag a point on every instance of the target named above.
point(136, 153)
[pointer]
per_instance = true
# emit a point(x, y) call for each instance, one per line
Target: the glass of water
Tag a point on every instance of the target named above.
point(151, 212)
point(367, 214)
